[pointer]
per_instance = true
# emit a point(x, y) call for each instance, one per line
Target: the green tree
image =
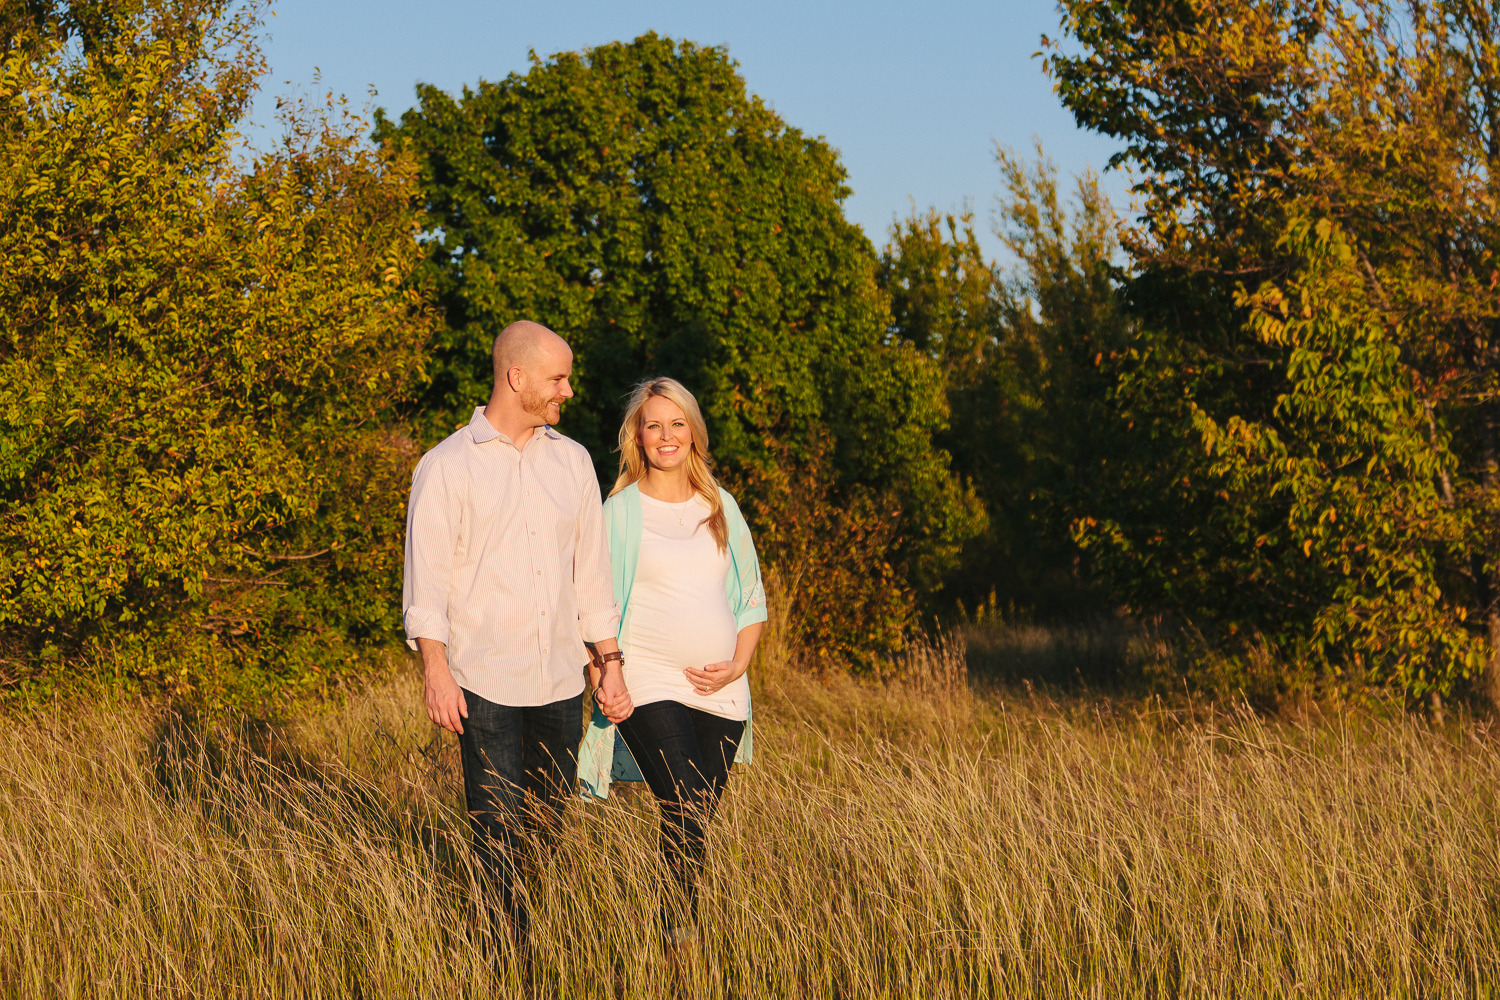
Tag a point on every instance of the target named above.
point(1032, 427)
point(636, 199)
point(200, 490)
point(1315, 276)
point(31, 24)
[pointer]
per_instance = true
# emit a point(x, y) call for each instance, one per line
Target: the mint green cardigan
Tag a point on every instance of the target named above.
point(602, 757)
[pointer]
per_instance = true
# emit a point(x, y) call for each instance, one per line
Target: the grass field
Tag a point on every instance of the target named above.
point(934, 835)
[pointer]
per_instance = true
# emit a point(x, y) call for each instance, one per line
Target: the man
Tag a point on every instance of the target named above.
point(507, 573)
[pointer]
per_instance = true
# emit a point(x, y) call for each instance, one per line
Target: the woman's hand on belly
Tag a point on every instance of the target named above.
point(711, 678)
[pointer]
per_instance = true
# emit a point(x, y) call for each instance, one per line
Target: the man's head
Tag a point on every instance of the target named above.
point(532, 368)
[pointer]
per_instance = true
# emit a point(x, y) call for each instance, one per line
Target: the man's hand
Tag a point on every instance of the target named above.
point(445, 699)
point(609, 682)
point(711, 678)
point(611, 694)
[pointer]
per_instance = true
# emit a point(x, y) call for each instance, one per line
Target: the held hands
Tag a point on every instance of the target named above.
point(711, 678)
point(611, 694)
point(608, 676)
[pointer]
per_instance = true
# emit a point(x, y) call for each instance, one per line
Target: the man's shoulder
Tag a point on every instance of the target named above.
point(450, 447)
point(447, 451)
point(570, 450)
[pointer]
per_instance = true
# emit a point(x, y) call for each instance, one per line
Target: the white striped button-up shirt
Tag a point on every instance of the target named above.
point(507, 562)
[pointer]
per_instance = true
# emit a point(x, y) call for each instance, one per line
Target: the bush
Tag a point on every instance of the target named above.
point(834, 557)
point(200, 492)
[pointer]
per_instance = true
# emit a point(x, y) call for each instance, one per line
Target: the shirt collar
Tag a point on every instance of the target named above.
point(482, 430)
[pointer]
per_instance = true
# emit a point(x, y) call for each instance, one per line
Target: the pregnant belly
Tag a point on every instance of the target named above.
point(677, 642)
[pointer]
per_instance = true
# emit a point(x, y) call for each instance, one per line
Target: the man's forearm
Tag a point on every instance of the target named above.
point(434, 654)
point(598, 668)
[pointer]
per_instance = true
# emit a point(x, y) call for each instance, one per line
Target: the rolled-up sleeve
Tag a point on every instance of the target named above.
point(431, 533)
point(598, 614)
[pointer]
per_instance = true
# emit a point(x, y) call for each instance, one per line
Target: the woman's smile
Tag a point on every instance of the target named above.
point(665, 435)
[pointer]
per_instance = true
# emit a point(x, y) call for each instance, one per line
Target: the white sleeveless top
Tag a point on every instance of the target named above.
point(679, 614)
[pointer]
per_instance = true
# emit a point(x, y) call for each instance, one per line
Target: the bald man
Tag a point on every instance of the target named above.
point(507, 576)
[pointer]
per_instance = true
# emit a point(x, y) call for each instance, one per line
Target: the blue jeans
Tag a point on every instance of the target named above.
point(685, 756)
point(519, 768)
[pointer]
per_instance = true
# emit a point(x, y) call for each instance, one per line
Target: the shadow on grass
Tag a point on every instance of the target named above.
point(1104, 653)
point(254, 774)
point(1174, 665)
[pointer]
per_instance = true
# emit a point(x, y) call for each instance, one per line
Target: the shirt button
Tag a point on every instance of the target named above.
point(544, 649)
point(538, 572)
point(544, 614)
point(533, 532)
point(528, 493)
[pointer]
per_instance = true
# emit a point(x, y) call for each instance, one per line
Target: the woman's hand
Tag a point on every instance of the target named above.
point(608, 680)
point(612, 695)
point(710, 679)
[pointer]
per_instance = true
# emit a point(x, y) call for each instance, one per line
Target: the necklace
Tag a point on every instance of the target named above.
point(680, 519)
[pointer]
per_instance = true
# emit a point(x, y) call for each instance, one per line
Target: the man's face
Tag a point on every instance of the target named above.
point(546, 384)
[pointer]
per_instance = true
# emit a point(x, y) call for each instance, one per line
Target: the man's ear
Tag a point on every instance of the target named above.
point(515, 377)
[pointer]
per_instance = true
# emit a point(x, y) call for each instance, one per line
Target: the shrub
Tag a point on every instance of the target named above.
point(199, 489)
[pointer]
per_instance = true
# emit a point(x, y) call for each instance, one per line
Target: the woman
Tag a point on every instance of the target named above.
point(691, 612)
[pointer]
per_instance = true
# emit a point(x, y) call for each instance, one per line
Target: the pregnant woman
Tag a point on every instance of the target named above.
point(692, 609)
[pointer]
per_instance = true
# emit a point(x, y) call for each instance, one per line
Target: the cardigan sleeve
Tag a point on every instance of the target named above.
point(752, 591)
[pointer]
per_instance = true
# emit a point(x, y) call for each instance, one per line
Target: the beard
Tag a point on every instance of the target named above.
point(539, 404)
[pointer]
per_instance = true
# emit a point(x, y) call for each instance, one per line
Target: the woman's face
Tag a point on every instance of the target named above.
point(666, 437)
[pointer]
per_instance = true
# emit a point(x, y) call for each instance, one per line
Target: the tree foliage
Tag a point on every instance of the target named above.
point(1315, 278)
point(198, 488)
point(636, 199)
point(1032, 427)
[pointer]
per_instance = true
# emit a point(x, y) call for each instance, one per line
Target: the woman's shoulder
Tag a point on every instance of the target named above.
point(618, 498)
point(732, 510)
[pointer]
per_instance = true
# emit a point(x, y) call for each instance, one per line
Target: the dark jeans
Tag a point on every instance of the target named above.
point(519, 769)
point(685, 756)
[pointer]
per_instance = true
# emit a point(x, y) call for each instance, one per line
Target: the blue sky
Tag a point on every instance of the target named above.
point(913, 96)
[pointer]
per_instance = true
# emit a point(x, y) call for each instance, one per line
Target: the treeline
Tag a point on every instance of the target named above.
point(1308, 402)
point(219, 365)
point(1273, 420)
point(1263, 410)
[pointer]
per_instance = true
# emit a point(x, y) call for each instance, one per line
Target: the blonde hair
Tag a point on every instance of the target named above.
point(699, 462)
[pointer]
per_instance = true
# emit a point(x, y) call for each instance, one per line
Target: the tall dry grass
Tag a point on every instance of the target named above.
point(914, 838)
